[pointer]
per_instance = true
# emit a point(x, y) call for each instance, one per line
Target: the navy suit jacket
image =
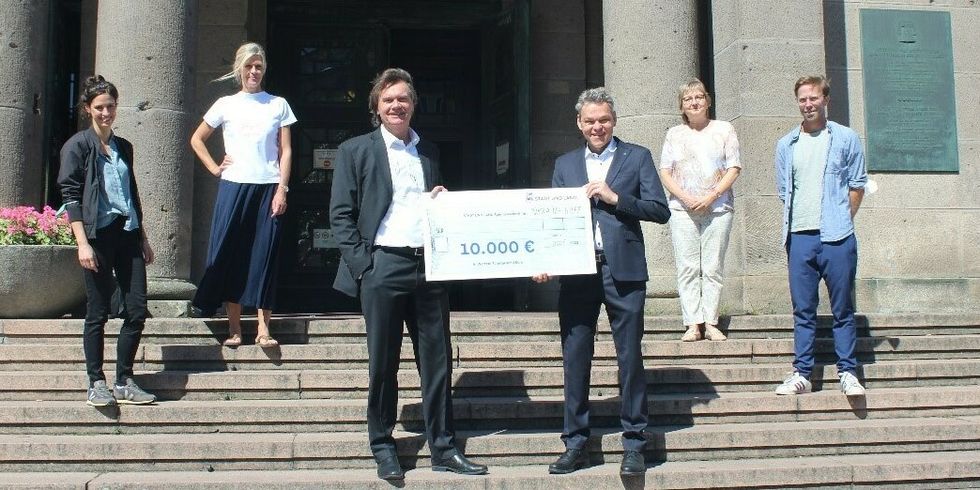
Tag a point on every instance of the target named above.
point(633, 176)
point(359, 199)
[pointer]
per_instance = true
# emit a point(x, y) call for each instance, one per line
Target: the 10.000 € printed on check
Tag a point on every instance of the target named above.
point(508, 233)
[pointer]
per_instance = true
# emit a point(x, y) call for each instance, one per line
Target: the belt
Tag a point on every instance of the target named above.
point(600, 257)
point(403, 251)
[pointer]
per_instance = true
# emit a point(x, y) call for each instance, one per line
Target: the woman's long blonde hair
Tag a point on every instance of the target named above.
point(242, 55)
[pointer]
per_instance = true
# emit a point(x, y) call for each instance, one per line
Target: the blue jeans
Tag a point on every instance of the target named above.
point(836, 263)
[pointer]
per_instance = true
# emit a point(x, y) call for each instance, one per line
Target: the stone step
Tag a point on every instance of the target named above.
point(346, 450)
point(274, 383)
point(479, 326)
point(948, 469)
point(42, 357)
point(478, 413)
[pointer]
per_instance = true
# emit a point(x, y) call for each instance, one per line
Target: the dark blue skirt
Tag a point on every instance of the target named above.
point(243, 252)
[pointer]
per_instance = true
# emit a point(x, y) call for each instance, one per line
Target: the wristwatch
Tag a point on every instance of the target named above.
point(284, 187)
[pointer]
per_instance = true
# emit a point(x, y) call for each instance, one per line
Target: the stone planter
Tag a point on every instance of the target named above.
point(39, 281)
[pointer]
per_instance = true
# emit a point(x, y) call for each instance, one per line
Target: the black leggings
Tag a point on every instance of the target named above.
point(117, 251)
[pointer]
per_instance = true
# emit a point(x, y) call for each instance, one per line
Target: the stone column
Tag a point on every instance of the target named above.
point(89, 20)
point(23, 57)
point(560, 63)
point(147, 48)
point(650, 48)
point(760, 49)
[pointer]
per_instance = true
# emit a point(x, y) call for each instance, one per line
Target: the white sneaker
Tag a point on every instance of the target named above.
point(850, 385)
point(794, 385)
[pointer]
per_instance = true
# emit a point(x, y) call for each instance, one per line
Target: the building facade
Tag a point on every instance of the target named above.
point(497, 81)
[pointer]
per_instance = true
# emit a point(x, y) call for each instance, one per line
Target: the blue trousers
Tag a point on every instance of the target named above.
point(578, 311)
point(811, 260)
point(243, 252)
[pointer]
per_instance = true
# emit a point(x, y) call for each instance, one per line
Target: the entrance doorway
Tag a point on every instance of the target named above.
point(470, 63)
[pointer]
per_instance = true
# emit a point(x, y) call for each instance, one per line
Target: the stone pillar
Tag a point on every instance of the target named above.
point(222, 27)
point(147, 48)
point(760, 49)
point(558, 75)
point(86, 44)
point(650, 49)
point(23, 57)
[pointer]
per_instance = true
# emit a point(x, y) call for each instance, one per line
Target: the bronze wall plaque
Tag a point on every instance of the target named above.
point(909, 100)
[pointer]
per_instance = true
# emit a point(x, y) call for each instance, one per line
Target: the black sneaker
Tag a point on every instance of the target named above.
point(99, 395)
point(131, 394)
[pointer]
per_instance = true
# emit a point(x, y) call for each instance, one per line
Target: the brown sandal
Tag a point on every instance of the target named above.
point(233, 340)
point(265, 341)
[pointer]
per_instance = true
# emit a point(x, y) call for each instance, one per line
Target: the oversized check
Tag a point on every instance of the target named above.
point(508, 233)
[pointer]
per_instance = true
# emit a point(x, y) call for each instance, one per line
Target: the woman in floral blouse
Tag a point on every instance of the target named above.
point(698, 166)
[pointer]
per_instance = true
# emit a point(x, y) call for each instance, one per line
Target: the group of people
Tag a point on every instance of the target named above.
point(376, 216)
point(376, 212)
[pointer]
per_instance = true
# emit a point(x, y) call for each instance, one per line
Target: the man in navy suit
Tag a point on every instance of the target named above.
point(379, 182)
point(622, 182)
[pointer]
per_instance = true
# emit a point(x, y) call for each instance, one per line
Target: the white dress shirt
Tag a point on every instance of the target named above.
point(402, 224)
point(597, 167)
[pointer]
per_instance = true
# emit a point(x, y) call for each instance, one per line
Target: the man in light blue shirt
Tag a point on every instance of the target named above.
point(820, 177)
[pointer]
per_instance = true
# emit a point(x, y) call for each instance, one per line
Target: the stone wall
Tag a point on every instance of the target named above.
point(918, 235)
point(760, 49)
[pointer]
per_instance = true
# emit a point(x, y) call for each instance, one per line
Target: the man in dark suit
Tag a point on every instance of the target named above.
point(622, 182)
point(380, 181)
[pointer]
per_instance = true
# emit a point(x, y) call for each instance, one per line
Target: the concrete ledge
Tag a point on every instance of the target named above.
point(274, 383)
point(719, 442)
point(33, 357)
point(168, 308)
point(491, 413)
point(46, 481)
point(476, 327)
point(935, 470)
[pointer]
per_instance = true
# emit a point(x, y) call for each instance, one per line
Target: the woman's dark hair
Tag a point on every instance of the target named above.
point(93, 87)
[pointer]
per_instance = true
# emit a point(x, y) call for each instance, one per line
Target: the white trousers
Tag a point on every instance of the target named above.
point(700, 241)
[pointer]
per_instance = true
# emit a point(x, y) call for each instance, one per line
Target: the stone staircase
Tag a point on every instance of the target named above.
point(293, 417)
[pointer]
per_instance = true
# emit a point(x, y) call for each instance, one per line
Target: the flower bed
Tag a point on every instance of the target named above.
point(39, 272)
point(23, 225)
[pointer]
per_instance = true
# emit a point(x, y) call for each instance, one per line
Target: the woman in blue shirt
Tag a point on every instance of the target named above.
point(100, 194)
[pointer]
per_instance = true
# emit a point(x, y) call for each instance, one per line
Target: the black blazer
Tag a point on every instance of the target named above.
point(80, 177)
point(633, 176)
point(360, 197)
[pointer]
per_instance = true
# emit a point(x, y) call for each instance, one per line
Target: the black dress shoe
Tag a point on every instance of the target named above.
point(569, 461)
point(389, 469)
point(457, 463)
point(633, 464)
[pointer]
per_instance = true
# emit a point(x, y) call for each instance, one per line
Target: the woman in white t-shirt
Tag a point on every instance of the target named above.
point(254, 176)
point(698, 166)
